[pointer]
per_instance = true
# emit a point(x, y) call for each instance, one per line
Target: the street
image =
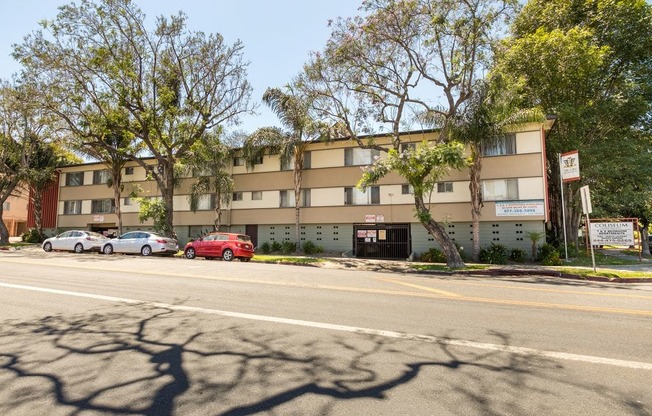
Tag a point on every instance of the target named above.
point(100, 335)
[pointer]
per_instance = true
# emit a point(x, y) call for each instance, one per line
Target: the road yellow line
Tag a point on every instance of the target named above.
point(427, 292)
point(426, 288)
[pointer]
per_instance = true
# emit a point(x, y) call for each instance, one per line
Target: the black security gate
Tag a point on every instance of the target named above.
point(382, 241)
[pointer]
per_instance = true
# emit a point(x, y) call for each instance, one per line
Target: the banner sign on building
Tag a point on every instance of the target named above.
point(98, 218)
point(520, 208)
point(369, 218)
point(569, 165)
point(613, 233)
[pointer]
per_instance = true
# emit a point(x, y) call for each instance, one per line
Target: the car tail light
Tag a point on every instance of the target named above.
point(89, 238)
point(162, 241)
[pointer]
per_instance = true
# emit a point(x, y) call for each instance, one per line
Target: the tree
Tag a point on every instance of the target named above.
point(174, 85)
point(491, 113)
point(21, 125)
point(41, 172)
point(293, 110)
point(405, 58)
point(109, 140)
point(589, 63)
point(210, 159)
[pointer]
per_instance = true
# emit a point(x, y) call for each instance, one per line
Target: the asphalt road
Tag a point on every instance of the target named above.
point(95, 335)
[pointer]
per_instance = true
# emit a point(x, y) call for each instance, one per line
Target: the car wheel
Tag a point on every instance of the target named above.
point(146, 251)
point(47, 247)
point(108, 249)
point(227, 255)
point(190, 253)
point(79, 248)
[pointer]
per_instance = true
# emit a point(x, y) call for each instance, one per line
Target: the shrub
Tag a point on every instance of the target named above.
point(494, 254)
point(32, 236)
point(433, 255)
point(266, 248)
point(311, 248)
point(288, 247)
point(276, 246)
point(548, 255)
point(546, 250)
point(517, 255)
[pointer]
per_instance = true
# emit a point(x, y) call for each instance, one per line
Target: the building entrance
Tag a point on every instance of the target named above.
point(382, 241)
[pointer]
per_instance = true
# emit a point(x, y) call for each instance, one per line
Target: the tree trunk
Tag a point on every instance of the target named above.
point(476, 199)
point(217, 223)
point(37, 200)
point(297, 176)
point(4, 233)
point(645, 243)
point(118, 205)
point(453, 258)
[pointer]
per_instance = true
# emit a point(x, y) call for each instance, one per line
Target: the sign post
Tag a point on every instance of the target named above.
point(569, 170)
point(587, 208)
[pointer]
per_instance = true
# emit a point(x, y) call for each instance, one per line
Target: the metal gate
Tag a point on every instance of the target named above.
point(382, 241)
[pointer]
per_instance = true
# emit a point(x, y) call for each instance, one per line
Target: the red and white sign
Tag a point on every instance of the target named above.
point(569, 165)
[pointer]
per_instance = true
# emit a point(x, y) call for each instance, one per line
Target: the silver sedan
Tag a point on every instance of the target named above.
point(75, 240)
point(144, 242)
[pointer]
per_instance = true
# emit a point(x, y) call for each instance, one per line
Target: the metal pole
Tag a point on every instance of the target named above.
point(588, 230)
point(563, 207)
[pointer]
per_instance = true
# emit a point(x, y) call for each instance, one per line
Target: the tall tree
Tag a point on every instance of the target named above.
point(293, 110)
point(174, 84)
point(402, 59)
point(588, 61)
point(21, 125)
point(489, 115)
point(209, 160)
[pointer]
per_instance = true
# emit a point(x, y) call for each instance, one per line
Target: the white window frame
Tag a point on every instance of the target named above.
point(356, 156)
point(444, 187)
point(500, 189)
point(72, 207)
point(506, 145)
point(70, 175)
point(354, 196)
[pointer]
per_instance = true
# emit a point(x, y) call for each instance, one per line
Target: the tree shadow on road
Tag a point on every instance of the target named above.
point(146, 360)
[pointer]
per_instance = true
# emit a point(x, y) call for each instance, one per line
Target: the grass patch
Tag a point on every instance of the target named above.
point(611, 274)
point(444, 268)
point(286, 259)
point(600, 259)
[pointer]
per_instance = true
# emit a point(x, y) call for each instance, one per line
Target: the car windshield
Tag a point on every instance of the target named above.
point(244, 238)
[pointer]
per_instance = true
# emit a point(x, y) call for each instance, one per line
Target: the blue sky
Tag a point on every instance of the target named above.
point(277, 35)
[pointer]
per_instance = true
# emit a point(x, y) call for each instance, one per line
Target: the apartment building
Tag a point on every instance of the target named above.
point(334, 213)
point(14, 213)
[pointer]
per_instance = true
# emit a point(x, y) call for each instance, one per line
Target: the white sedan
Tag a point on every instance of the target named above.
point(75, 240)
point(144, 242)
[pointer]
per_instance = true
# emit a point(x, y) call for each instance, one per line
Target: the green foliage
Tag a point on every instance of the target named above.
point(494, 254)
point(311, 248)
point(153, 209)
point(33, 236)
point(433, 255)
point(517, 255)
point(288, 247)
point(266, 248)
point(276, 246)
point(548, 255)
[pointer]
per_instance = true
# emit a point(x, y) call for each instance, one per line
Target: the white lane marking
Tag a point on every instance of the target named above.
point(637, 365)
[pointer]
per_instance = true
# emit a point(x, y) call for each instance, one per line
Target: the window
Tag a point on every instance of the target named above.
point(75, 179)
point(443, 187)
point(6, 206)
point(257, 195)
point(72, 207)
point(127, 201)
point(408, 147)
point(354, 196)
point(206, 202)
point(102, 206)
point(129, 170)
point(287, 164)
point(258, 160)
point(237, 196)
point(286, 199)
point(407, 189)
point(506, 145)
point(305, 197)
point(202, 172)
point(101, 176)
point(500, 189)
point(307, 160)
point(357, 156)
point(238, 161)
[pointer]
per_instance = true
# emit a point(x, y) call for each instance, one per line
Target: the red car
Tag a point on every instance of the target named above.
point(225, 245)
